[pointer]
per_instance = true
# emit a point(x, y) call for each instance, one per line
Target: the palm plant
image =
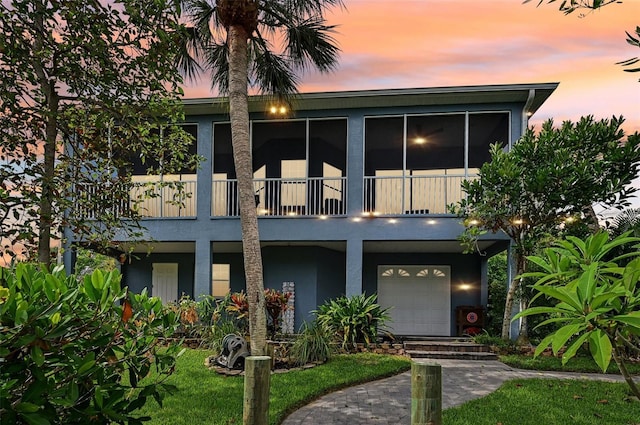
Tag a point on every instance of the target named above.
point(258, 43)
point(355, 319)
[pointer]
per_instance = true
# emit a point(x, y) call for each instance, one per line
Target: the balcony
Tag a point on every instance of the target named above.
point(313, 196)
point(147, 196)
point(412, 195)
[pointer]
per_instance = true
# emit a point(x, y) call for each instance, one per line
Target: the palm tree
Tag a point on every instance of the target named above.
point(258, 43)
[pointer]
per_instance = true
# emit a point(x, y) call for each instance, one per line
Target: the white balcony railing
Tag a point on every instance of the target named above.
point(149, 199)
point(313, 196)
point(412, 195)
point(158, 201)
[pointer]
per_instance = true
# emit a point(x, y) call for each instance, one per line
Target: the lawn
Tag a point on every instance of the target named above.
point(206, 397)
point(577, 364)
point(550, 402)
point(203, 396)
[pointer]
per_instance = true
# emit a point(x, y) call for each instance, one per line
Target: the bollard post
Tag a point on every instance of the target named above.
point(257, 374)
point(426, 394)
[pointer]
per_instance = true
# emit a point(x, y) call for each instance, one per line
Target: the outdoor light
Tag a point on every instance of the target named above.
point(278, 110)
point(393, 220)
point(420, 140)
point(474, 222)
point(431, 222)
point(465, 287)
point(356, 219)
point(292, 213)
point(518, 221)
point(323, 217)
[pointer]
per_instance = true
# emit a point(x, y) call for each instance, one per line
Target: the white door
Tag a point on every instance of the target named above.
point(164, 280)
point(419, 297)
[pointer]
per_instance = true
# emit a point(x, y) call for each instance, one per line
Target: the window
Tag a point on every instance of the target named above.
point(485, 129)
point(221, 280)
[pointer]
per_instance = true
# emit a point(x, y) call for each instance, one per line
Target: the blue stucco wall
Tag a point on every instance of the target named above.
point(331, 274)
point(137, 274)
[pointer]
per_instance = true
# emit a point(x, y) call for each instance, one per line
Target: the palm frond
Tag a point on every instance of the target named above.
point(310, 7)
point(216, 57)
point(310, 43)
point(187, 59)
point(625, 221)
point(271, 73)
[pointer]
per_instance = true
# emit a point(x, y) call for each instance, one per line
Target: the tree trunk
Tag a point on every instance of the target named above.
point(511, 296)
point(592, 219)
point(45, 219)
point(239, 114)
point(523, 334)
point(617, 356)
point(46, 195)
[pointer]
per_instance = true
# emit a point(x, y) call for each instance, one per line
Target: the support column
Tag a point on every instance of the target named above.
point(204, 177)
point(355, 166)
point(353, 284)
point(484, 281)
point(202, 272)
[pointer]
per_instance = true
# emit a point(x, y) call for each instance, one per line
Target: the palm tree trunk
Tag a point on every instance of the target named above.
point(239, 114)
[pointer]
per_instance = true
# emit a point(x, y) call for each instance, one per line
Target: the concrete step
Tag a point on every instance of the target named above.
point(457, 346)
point(453, 355)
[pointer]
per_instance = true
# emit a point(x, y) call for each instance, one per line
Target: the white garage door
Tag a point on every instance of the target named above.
point(420, 297)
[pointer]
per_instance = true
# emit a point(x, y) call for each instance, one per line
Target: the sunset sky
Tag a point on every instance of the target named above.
point(431, 43)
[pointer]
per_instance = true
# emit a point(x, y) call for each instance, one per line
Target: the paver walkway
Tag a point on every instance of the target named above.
point(388, 401)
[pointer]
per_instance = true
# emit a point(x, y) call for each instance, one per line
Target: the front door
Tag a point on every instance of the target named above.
point(164, 280)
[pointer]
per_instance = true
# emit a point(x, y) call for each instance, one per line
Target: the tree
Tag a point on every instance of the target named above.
point(235, 41)
point(545, 183)
point(570, 6)
point(597, 299)
point(84, 84)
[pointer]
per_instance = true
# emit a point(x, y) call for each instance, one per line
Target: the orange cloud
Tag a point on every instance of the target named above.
point(419, 43)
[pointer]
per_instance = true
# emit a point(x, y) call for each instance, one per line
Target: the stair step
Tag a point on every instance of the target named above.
point(459, 355)
point(446, 346)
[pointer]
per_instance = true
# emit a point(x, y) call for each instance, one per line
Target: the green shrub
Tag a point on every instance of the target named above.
point(356, 319)
point(72, 354)
point(503, 346)
point(313, 344)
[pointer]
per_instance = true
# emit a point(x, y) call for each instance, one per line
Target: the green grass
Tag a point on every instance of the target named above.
point(203, 396)
point(549, 402)
point(577, 364)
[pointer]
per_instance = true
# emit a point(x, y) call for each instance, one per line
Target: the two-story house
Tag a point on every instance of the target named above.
point(351, 190)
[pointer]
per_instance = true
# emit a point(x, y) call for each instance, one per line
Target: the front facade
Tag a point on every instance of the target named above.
point(351, 190)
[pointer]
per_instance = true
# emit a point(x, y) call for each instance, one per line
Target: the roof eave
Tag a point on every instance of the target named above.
point(503, 93)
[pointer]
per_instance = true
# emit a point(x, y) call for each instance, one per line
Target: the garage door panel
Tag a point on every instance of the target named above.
point(419, 297)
